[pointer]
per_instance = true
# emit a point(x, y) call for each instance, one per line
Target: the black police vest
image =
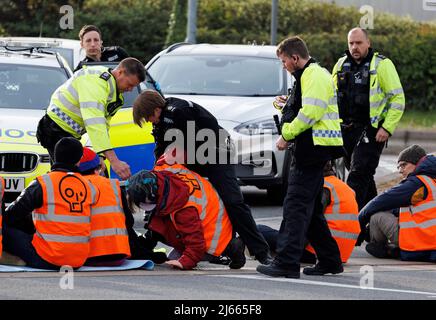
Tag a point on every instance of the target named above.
point(353, 93)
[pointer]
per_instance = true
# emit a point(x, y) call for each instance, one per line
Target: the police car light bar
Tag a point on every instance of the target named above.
point(32, 44)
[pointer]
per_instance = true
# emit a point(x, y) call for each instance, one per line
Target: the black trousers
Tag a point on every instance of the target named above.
point(19, 243)
point(48, 133)
point(223, 178)
point(362, 159)
point(303, 219)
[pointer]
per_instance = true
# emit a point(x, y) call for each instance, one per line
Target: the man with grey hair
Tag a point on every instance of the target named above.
point(371, 103)
point(401, 220)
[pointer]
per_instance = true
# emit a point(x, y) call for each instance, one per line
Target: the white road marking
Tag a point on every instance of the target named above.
point(320, 283)
point(269, 218)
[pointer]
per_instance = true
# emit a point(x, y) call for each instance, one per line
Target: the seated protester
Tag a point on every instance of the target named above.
point(91, 41)
point(48, 225)
point(187, 215)
point(403, 216)
point(120, 240)
point(109, 243)
point(340, 210)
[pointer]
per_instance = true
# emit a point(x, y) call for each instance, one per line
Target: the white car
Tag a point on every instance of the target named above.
point(237, 84)
point(70, 49)
point(27, 80)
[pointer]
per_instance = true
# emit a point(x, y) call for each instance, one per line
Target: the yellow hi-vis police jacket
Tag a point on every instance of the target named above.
point(86, 103)
point(319, 109)
point(386, 95)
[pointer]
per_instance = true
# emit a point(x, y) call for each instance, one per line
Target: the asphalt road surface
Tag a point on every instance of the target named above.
point(365, 277)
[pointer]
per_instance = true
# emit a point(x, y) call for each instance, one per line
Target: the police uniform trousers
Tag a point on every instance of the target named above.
point(303, 218)
point(49, 133)
point(223, 179)
point(362, 160)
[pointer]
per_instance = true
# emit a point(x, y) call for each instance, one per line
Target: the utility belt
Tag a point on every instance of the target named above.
point(353, 125)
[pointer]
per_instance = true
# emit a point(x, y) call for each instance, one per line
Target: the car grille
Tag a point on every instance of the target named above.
point(18, 162)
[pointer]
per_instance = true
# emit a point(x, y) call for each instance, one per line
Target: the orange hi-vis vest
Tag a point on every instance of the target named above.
point(2, 192)
point(418, 222)
point(63, 222)
point(342, 216)
point(108, 222)
point(213, 215)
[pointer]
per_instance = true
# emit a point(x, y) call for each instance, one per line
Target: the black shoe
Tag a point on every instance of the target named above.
point(267, 259)
point(274, 270)
point(394, 253)
point(318, 270)
point(222, 260)
point(235, 251)
point(378, 250)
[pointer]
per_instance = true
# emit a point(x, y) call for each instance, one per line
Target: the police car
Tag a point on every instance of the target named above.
point(237, 84)
point(27, 80)
point(70, 49)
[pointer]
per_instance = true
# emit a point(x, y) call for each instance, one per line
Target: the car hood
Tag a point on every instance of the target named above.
point(18, 126)
point(234, 109)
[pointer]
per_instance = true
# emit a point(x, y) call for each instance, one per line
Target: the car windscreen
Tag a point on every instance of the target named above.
point(28, 87)
point(219, 75)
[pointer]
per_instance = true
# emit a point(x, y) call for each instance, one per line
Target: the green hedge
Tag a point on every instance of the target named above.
point(144, 27)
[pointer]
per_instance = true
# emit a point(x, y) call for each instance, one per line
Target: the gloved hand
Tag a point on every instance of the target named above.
point(363, 235)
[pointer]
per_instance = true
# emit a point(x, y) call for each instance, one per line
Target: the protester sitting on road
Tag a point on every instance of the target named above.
point(401, 220)
point(183, 210)
point(109, 243)
point(48, 225)
point(91, 41)
point(340, 210)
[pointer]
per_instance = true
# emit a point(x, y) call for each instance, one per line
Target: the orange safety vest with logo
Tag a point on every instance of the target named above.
point(108, 222)
point(63, 222)
point(213, 215)
point(2, 191)
point(342, 216)
point(418, 222)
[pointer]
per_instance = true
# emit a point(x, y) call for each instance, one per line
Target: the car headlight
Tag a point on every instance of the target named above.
point(257, 126)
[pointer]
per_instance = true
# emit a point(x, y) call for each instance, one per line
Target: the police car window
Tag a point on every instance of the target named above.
point(28, 87)
point(66, 53)
point(219, 75)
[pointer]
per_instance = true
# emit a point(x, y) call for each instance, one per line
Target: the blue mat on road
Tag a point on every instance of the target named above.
point(127, 265)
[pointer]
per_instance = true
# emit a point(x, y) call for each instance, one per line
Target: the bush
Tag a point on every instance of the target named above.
point(142, 28)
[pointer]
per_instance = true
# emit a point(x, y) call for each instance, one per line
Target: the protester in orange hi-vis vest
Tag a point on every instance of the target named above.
point(2, 190)
point(49, 225)
point(341, 212)
point(418, 222)
point(184, 211)
point(109, 243)
point(341, 215)
point(401, 222)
